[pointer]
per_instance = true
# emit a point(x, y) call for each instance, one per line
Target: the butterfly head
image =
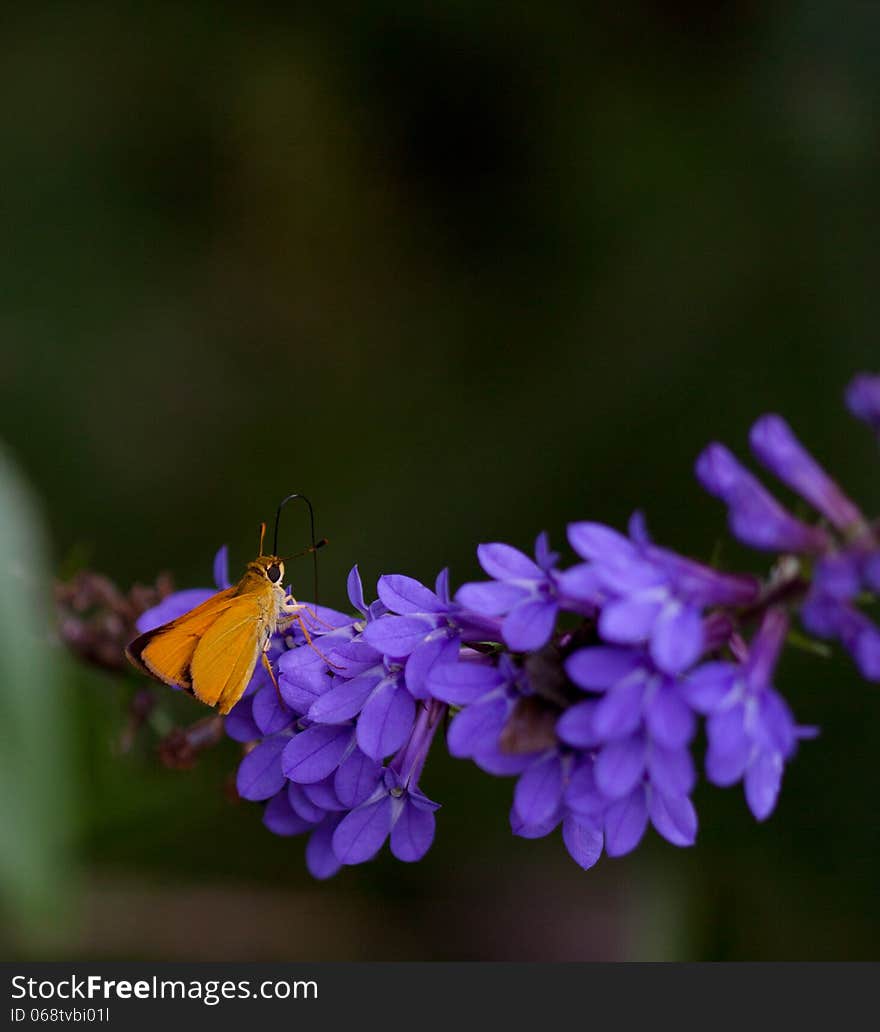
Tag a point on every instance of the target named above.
point(269, 566)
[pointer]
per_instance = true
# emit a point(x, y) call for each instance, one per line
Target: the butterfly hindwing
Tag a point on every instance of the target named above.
point(166, 652)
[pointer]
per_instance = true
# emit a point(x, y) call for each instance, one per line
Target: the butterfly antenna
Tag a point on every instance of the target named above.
point(315, 545)
point(262, 538)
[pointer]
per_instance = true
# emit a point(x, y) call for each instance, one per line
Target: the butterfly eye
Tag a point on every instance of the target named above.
point(273, 572)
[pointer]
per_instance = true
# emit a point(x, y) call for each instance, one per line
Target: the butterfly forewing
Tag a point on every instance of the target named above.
point(225, 658)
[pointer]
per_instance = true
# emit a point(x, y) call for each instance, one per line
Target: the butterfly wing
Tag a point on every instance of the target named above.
point(166, 652)
point(225, 657)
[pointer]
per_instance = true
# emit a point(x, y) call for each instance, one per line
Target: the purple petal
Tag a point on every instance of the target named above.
point(406, 595)
point(462, 683)
point(317, 619)
point(580, 582)
point(776, 446)
point(637, 528)
point(529, 625)
point(362, 833)
point(502, 765)
point(582, 794)
point(775, 728)
point(320, 858)
point(397, 636)
point(301, 804)
point(539, 790)
point(280, 818)
point(864, 645)
point(301, 691)
point(601, 666)
point(490, 598)
point(522, 829)
point(762, 782)
point(259, 774)
point(838, 576)
point(619, 766)
point(441, 650)
point(576, 726)
point(413, 833)
point(596, 541)
point(323, 794)
point(727, 730)
point(619, 711)
point(345, 701)
point(355, 656)
point(506, 563)
point(625, 823)
point(675, 818)
point(386, 720)
point(701, 585)
point(630, 578)
point(726, 767)
point(270, 715)
point(356, 590)
point(706, 687)
point(315, 753)
point(670, 721)
point(356, 779)
point(677, 638)
point(628, 621)
point(240, 724)
point(863, 398)
point(754, 516)
point(441, 586)
point(671, 770)
point(477, 727)
point(583, 842)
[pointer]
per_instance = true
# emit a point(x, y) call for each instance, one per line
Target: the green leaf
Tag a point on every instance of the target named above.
point(37, 776)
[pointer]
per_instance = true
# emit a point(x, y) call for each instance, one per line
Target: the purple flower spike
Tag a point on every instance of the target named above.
point(863, 399)
point(783, 454)
point(754, 515)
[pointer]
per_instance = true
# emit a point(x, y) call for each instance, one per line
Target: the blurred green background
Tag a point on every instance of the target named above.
point(459, 272)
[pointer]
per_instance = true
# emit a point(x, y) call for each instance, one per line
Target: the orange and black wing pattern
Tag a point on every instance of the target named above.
point(211, 651)
point(166, 652)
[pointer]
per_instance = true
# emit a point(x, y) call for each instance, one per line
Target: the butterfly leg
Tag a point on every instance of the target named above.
point(291, 613)
point(317, 619)
point(268, 667)
point(314, 647)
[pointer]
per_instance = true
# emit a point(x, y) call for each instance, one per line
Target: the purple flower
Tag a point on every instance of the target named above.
point(422, 627)
point(751, 730)
point(639, 732)
point(781, 452)
point(653, 596)
point(397, 808)
point(828, 610)
point(487, 693)
point(754, 515)
point(523, 591)
point(542, 801)
point(863, 399)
